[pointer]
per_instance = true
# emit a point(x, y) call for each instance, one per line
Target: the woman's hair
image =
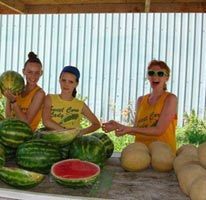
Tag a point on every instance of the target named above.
point(162, 65)
point(32, 58)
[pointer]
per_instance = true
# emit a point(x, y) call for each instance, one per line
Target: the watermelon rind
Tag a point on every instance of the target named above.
point(2, 155)
point(20, 178)
point(14, 132)
point(107, 141)
point(88, 148)
point(13, 81)
point(75, 182)
point(60, 138)
point(37, 155)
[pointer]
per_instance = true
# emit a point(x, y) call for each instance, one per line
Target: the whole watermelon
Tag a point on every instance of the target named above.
point(88, 148)
point(37, 155)
point(2, 155)
point(107, 141)
point(13, 81)
point(14, 132)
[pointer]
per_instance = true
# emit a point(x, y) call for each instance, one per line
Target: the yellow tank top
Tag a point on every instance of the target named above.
point(66, 113)
point(148, 116)
point(24, 103)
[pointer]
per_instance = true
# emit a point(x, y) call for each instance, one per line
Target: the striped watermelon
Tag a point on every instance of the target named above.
point(75, 172)
point(14, 132)
point(88, 148)
point(37, 155)
point(107, 141)
point(2, 155)
point(60, 138)
point(20, 178)
point(13, 81)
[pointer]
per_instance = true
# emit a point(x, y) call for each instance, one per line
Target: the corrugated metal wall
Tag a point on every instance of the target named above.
point(112, 52)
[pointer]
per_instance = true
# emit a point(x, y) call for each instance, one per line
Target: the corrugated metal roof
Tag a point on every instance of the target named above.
point(112, 52)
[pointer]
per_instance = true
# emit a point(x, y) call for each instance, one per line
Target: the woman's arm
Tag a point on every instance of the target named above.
point(167, 115)
point(95, 124)
point(46, 116)
point(33, 109)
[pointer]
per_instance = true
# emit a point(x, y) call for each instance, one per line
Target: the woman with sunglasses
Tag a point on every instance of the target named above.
point(28, 105)
point(156, 112)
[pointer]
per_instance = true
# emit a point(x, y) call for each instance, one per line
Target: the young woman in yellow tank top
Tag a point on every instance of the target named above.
point(156, 112)
point(28, 105)
point(64, 110)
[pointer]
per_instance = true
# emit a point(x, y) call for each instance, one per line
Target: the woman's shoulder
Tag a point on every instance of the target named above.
point(78, 100)
point(171, 95)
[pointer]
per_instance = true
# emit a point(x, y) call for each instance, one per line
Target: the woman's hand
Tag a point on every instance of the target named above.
point(110, 126)
point(11, 97)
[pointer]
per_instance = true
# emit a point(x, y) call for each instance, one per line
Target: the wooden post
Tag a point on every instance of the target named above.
point(147, 5)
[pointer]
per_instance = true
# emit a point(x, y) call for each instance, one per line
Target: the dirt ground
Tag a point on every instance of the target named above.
point(115, 183)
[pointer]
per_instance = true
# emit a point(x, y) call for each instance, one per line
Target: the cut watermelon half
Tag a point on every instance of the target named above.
point(75, 172)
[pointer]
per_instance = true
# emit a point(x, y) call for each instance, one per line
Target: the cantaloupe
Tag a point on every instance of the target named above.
point(198, 188)
point(202, 154)
point(188, 149)
point(162, 156)
point(182, 159)
point(135, 157)
point(187, 174)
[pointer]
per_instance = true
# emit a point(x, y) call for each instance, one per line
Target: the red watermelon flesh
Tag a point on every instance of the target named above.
point(75, 169)
point(75, 172)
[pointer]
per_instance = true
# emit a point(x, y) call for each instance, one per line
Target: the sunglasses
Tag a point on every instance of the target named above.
point(157, 73)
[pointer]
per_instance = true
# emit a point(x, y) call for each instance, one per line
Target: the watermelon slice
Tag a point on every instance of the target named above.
point(75, 172)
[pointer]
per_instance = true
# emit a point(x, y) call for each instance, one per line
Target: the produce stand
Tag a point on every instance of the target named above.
point(113, 183)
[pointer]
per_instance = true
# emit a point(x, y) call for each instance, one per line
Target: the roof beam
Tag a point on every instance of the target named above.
point(117, 8)
point(15, 5)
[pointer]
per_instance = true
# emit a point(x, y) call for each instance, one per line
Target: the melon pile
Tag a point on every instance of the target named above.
point(137, 157)
point(36, 153)
point(190, 168)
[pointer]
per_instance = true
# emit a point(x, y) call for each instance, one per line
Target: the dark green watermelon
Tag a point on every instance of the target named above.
point(37, 155)
point(88, 148)
point(14, 132)
point(107, 141)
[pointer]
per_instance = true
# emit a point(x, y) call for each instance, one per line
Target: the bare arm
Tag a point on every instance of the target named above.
point(33, 108)
point(46, 115)
point(167, 114)
point(95, 124)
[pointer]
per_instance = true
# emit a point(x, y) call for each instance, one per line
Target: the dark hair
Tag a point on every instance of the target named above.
point(32, 58)
point(162, 65)
point(74, 93)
